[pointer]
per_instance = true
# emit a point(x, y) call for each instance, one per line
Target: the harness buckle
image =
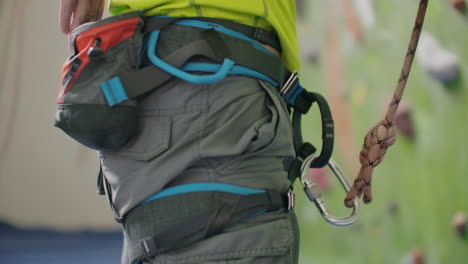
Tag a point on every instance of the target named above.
point(290, 83)
point(291, 200)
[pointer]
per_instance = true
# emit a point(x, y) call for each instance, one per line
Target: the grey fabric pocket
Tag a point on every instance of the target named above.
point(269, 134)
point(152, 138)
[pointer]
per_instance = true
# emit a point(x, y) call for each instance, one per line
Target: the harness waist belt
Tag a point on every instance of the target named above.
point(237, 53)
point(258, 34)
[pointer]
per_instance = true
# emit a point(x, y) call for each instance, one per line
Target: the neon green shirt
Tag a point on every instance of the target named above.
point(274, 15)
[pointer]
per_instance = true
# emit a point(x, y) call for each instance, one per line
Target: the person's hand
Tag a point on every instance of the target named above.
point(76, 12)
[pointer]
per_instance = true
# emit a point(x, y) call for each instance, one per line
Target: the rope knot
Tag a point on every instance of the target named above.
point(381, 136)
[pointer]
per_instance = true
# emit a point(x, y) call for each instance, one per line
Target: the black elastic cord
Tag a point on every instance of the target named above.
point(328, 133)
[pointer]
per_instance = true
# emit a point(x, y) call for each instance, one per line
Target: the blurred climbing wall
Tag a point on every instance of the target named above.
point(354, 57)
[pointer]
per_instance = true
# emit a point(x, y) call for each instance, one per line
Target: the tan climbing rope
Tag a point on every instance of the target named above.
point(382, 134)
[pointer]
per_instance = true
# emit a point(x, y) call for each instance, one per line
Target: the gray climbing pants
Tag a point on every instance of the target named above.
point(236, 131)
point(270, 238)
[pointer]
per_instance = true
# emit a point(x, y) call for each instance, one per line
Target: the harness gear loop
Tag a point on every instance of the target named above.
point(382, 135)
point(301, 104)
point(314, 194)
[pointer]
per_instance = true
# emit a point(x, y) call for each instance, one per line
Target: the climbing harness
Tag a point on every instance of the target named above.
point(382, 134)
point(102, 81)
point(118, 60)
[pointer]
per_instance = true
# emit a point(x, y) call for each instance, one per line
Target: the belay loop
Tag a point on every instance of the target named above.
point(301, 101)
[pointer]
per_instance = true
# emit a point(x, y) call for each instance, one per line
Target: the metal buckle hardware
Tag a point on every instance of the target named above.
point(289, 83)
point(314, 194)
point(291, 200)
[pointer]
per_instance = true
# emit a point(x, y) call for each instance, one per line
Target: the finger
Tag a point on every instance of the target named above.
point(86, 11)
point(93, 10)
point(100, 9)
point(80, 14)
point(67, 7)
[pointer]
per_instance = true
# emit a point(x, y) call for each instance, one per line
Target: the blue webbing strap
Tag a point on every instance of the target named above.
point(236, 70)
point(113, 91)
point(292, 95)
point(202, 187)
point(217, 27)
point(192, 78)
point(115, 94)
point(220, 71)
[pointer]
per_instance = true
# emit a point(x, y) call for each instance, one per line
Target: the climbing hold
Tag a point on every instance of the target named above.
point(439, 63)
point(460, 221)
point(309, 51)
point(403, 120)
point(459, 5)
point(321, 178)
point(366, 12)
point(415, 256)
point(393, 207)
point(300, 9)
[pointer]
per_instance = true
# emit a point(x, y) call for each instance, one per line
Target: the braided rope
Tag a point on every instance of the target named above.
point(383, 134)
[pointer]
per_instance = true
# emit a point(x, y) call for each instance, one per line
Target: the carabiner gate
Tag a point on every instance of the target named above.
point(314, 194)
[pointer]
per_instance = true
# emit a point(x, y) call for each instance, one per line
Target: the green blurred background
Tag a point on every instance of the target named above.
point(423, 182)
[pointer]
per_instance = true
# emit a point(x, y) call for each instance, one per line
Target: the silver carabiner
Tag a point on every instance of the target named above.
point(314, 194)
